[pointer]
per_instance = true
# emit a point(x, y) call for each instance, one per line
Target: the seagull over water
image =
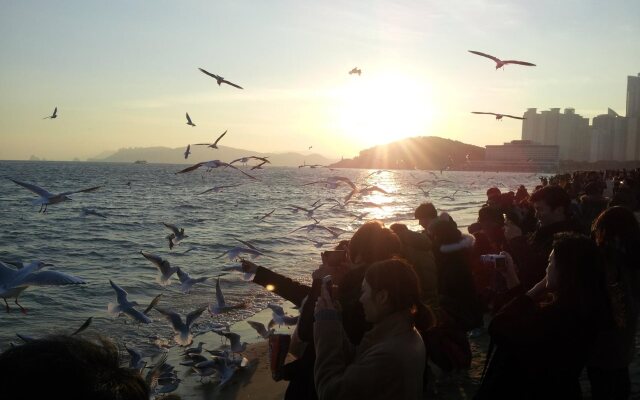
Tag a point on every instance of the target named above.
point(125, 306)
point(14, 282)
point(279, 316)
point(209, 165)
point(189, 122)
point(182, 329)
point(498, 116)
point(54, 115)
point(166, 270)
point(84, 212)
point(213, 145)
point(176, 235)
point(221, 305)
point(187, 152)
point(501, 63)
point(261, 329)
point(219, 79)
point(234, 252)
point(187, 282)
point(47, 198)
point(217, 189)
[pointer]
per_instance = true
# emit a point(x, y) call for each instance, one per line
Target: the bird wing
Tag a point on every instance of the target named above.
point(193, 315)
point(50, 278)
point(219, 295)
point(189, 119)
point(191, 168)
point(231, 83)
point(209, 73)
point(55, 111)
point(172, 317)
point(237, 169)
point(173, 228)
point(259, 327)
point(512, 116)
point(519, 62)
point(120, 292)
point(496, 59)
point(84, 326)
point(249, 245)
point(156, 260)
point(479, 112)
point(35, 189)
point(208, 190)
point(6, 274)
point(219, 137)
point(153, 303)
point(137, 315)
point(91, 189)
point(345, 180)
point(183, 276)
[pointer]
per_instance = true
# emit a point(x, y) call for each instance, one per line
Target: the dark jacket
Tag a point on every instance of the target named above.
point(540, 351)
point(417, 249)
point(531, 252)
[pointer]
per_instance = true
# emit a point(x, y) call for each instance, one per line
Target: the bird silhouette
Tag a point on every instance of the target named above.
point(54, 115)
point(189, 122)
point(501, 63)
point(498, 116)
point(213, 145)
point(187, 152)
point(356, 70)
point(219, 79)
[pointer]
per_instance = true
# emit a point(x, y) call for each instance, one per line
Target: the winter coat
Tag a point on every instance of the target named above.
point(387, 364)
point(416, 249)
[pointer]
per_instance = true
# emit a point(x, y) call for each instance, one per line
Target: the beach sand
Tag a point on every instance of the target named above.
point(255, 381)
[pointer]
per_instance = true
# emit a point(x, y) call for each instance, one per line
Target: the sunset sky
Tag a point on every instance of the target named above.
point(123, 73)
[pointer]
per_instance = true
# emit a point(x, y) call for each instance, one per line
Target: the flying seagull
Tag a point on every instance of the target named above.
point(211, 165)
point(213, 145)
point(189, 122)
point(182, 329)
point(187, 152)
point(176, 235)
point(219, 79)
point(54, 115)
point(221, 305)
point(356, 70)
point(501, 63)
point(187, 282)
point(166, 270)
point(14, 282)
point(498, 116)
point(125, 306)
point(47, 198)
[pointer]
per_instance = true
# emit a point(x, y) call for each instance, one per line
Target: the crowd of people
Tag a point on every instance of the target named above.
point(552, 277)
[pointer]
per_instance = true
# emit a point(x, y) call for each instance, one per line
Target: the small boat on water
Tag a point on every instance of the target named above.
point(140, 162)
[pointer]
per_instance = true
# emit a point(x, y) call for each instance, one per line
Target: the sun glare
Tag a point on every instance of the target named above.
point(384, 108)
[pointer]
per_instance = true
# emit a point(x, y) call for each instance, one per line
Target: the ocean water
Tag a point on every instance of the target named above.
point(97, 249)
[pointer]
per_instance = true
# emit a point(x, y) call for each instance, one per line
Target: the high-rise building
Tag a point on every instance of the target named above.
point(568, 130)
point(633, 96)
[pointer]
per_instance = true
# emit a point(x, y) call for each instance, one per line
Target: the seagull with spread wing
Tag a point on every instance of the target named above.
point(176, 235)
point(187, 152)
point(166, 270)
point(187, 282)
point(234, 252)
point(47, 198)
point(189, 122)
point(261, 329)
point(209, 165)
point(356, 70)
point(125, 306)
point(54, 115)
point(498, 116)
point(217, 189)
point(14, 282)
point(501, 63)
point(182, 329)
point(221, 305)
point(213, 145)
point(219, 79)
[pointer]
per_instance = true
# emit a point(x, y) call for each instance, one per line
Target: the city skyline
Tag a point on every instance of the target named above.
point(124, 75)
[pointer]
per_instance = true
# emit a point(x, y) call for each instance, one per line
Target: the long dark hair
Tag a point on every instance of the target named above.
point(581, 277)
point(616, 230)
point(399, 279)
point(373, 242)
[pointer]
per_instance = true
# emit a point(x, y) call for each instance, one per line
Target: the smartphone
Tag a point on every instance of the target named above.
point(334, 258)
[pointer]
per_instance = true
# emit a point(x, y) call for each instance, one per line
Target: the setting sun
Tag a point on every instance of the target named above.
point(384, 107)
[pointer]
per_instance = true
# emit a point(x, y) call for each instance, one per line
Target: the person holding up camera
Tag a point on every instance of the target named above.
point(389, 361)
point(543, 336)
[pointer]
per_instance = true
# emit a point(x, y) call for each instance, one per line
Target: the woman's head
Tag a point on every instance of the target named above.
point(575, 272)
point(392, 286)
point(615, 223)
point(373, 242)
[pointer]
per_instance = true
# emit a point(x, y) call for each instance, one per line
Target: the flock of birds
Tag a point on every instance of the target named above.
point(15, 277)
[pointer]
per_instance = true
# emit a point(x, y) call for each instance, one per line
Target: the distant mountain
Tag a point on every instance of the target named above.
point(425, 152)
point(165, 155)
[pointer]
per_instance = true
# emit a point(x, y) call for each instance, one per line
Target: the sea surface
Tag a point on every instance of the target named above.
point(98, 250)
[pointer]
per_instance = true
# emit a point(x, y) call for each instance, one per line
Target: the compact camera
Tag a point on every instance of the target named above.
point(498, 260)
